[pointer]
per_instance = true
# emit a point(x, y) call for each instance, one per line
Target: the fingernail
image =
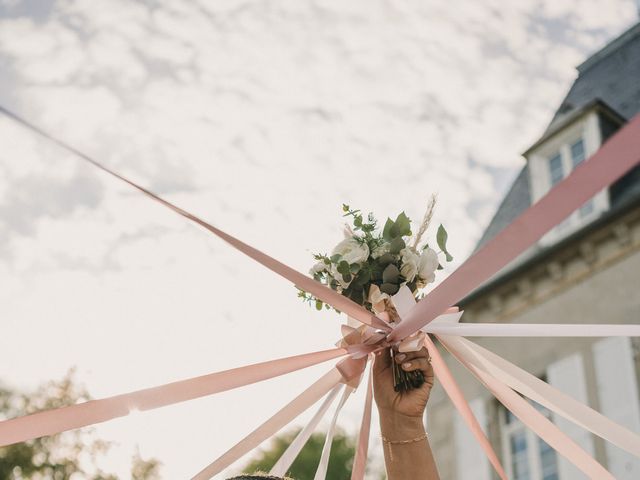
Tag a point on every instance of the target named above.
point(406, 365)
point(401, 357)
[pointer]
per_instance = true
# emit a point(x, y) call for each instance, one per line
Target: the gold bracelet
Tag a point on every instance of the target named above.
point(404, 442)
point(401, 442)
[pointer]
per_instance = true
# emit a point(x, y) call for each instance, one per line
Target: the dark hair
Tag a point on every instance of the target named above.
point(256, 477)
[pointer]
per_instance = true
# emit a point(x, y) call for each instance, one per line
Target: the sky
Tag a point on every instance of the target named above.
point(263, 117)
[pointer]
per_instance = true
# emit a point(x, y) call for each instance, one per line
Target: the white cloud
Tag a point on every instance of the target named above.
point(263, 118)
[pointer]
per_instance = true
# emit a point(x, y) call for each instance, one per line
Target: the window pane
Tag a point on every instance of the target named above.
point(586, 209)
point(555, 169)
point(577, 153)
point(519, 456)
point(548, 462)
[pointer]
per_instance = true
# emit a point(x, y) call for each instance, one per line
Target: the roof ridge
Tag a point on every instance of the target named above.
point(609, 48)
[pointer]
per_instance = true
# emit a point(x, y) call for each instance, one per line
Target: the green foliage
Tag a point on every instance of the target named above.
point(58, 457)
point(441, 238)
point(304, 467)
point(382, 267)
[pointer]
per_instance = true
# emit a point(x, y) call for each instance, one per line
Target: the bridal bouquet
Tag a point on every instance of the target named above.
point(369, 266)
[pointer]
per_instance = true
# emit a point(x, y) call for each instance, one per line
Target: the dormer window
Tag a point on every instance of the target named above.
point(555, 156)
point(555, 168)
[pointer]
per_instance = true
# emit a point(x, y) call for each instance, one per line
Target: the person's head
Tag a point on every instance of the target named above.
point(258, 477)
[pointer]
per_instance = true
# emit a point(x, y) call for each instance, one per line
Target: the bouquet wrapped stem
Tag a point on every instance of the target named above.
point(402, 381)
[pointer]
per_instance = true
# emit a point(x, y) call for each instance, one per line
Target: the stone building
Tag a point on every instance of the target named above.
point(586, 270)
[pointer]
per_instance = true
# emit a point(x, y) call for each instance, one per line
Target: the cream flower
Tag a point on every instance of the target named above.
point(410, 264)
point(428, 264)
point(318, 267)
point(352, 251)
point(376, 298)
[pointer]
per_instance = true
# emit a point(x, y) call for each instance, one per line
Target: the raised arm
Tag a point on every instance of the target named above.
point(406, 445)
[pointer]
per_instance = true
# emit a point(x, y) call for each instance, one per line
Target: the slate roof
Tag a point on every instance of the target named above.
point(611, 75)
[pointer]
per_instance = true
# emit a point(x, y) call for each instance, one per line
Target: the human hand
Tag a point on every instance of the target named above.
point(410, 403)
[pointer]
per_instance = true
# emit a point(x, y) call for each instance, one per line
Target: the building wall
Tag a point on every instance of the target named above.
point(592, 280)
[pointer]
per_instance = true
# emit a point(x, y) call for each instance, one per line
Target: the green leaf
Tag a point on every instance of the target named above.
point(396, 245)
point(345, 207)
point(318, 304)
point(389, 288)
point(347, 278)
point(441, 238)
point(354, 268)
point(386, 231)
point(385, 259)
point(343, 268)
point(403, 224)
point(390, 274)
point(357, 295)
point(336, 258)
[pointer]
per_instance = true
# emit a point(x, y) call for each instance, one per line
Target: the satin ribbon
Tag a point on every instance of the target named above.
point(300, 280)
point(321, 471)
point(282, 466)
point(50, 422)
point(404, 301)
point(362, 444)
point(532, 330)
point(454, 392)
point(533, 419)
point(273, 425)
point(615, 158)
point(544, 394)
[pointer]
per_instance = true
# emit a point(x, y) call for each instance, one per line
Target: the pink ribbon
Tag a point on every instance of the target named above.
point(457, 398)
point(58, 420)
point(616, 157)
point(544, 394)
point(362, 448)
point(272, 426)
point(404, 302)
point(534, 419)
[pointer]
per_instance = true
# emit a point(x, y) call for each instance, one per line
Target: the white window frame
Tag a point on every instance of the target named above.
point(586, 128)
point(533, 446)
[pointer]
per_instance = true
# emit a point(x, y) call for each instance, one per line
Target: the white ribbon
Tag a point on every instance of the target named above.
point(531, 330)
point(321, 472)
point(285, 461)
point(544, 394)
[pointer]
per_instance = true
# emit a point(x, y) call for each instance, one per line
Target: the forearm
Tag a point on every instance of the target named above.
point(406, 448)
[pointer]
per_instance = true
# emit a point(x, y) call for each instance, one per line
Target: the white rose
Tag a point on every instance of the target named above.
point(318, 267)
point(381, 250)
point(428, 264)
point(352, 251)
point(410, 262)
